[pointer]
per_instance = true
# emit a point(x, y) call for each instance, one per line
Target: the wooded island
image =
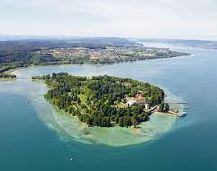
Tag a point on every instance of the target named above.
point(104, 101)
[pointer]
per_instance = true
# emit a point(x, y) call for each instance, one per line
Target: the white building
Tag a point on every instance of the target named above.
point(147, 106)
point(131, 102)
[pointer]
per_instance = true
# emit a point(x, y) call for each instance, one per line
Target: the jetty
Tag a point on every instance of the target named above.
point(176, 102)
point(179, 114)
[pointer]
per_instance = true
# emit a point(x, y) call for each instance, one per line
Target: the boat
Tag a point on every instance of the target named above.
point(72, 159)
point(182, 114)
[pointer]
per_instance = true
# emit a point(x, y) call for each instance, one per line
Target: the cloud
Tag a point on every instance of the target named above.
point(137, 18)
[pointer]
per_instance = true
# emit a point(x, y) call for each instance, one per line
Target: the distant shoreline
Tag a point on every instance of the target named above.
point(25, 53)
point(11, 71)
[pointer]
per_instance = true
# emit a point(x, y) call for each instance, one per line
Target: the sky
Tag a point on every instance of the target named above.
point(183, 19)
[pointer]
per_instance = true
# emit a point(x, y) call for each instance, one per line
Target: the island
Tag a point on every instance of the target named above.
point(104, 101)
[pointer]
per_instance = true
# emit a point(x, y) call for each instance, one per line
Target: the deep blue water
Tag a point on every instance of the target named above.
point(27, 144)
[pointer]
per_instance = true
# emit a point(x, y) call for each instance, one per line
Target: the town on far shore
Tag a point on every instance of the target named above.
point(24, 53)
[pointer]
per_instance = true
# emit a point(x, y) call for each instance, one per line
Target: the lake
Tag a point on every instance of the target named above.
point(31, 140)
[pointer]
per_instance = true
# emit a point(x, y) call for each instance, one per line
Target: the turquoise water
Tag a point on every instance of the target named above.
point(28, 142)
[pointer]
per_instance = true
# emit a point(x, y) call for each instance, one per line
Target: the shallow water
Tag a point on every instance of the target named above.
point(32, 141)
point(70, 128)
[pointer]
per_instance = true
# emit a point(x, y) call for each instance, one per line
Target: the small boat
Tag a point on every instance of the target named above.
point(26, 101)
point(182, 114)
point(72, 159)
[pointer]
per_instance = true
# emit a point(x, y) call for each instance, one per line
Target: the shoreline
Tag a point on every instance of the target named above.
point(11, 71)
point(145, 132)
point(158, 125)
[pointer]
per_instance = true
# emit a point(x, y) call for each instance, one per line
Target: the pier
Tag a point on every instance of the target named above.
point(177, 103)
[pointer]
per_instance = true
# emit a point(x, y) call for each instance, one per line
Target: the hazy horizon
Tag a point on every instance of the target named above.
point(35, 37)
point(157, 19)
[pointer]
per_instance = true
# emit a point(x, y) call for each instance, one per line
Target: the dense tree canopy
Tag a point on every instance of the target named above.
point(101, 100)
